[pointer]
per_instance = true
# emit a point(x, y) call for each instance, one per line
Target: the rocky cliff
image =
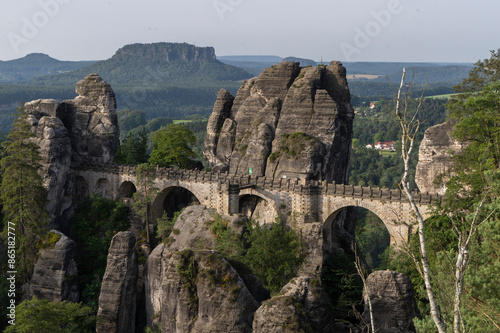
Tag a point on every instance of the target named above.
point(190, 288)
point(393, 302)
point(434, 157)
point(117, 300)
point(71, 132)
point(55, 276)
point(287, 122)
point(169, 52)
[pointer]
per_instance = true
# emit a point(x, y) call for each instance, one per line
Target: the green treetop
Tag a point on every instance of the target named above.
point(172, 147)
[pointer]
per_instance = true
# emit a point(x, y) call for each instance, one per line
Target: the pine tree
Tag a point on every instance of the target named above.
point(22, 193)
point(145, 195)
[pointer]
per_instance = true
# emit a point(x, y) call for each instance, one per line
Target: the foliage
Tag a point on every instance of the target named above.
point(172, 147)
point(343, 286)
point(48, 241)
point(22, 193)
point(188, 271)
point(96, 222)
point(372, 238)
point(228, 242)
point(369, 167)
point(155, 124)
point(484, 72)
point(133, 149)
point(165, 225)
point(43, 316)
point(273, 253)
point(145, 195)
point(4, 300)
point(293, 144)
point(462, 237)
point(130, 119)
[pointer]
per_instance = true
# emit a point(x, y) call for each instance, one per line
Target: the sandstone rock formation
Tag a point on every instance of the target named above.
point(192, 287)
point(55, 273)
point(203, 293)
point(299, 307)
point(434, 157)
point(81, 130)
point(287, 122)
point(117, 300)
point(393, 302)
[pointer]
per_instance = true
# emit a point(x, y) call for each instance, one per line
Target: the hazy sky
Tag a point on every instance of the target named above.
point(356, 30)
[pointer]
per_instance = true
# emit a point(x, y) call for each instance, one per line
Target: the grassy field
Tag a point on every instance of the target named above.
point(363, 76)
point(182, 121)
point(386, 153)
point(447, 96)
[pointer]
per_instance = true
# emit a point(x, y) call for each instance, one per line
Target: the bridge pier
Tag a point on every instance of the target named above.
point(233, 199)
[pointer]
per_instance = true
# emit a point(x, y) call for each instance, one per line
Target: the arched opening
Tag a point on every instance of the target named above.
point(81, 189)
point(103, 188)
point(257, 208)
point(173, 199)
point(358, 224)
point(127, 190)
point(345, 230)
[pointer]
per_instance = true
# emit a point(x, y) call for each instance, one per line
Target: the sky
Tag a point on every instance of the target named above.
point(355, 30)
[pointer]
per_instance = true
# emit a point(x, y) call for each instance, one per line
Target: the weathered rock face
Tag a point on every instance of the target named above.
point(300, 307)
point(434, 157)
point(55, 273)
point(84, 129)
point(287, 122)
point(393, 302)
point(203, 293)
point(192, 287)
point(168, 51)
point(117, 300)
point(91, 121)
point(55, 151)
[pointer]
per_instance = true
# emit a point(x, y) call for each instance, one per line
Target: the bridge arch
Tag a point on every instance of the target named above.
point(104, 188)
point(126, 189)
point(172, 199)
point(258, 206)
point(82, 188)
point(391, 217)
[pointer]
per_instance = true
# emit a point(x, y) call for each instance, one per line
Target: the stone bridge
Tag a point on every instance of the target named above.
point(306, 205)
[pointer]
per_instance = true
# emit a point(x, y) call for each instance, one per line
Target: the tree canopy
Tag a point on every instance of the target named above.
point(172, 147)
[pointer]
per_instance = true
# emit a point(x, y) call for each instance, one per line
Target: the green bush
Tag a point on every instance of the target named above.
point(273, 253)
point(43, 316)
point(96, 222)
point(165, 225)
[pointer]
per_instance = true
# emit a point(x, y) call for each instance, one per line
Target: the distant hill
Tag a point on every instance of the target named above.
point(431, 72)
point(252, 58)
point(162, 79)
point(251, 64)
point(158, 63)
point(36, 64)
point(256, 64)
point(302, 61)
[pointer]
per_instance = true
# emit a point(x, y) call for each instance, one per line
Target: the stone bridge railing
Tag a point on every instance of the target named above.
point(279, 185)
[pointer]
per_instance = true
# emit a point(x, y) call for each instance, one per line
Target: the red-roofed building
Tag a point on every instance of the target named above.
point(388, 145)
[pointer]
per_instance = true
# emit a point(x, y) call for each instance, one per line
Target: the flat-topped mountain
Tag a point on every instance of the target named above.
point(156, 64)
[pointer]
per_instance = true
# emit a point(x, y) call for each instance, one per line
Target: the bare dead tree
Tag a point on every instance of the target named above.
point(406, 116)
point(362, 273)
